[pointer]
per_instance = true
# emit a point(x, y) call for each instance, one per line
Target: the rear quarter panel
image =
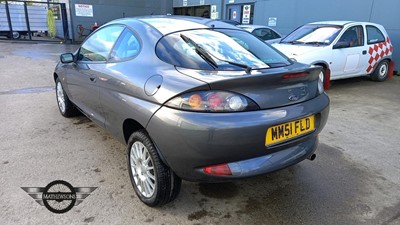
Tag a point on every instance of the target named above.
point(122, 93)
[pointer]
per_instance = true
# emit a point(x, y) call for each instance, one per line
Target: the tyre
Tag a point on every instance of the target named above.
point(15, 35)
point(326, 77)
point(381, 72)
point(154, 183)
point(66, 107)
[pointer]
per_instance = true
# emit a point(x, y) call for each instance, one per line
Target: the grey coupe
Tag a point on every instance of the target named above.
point(194, 99)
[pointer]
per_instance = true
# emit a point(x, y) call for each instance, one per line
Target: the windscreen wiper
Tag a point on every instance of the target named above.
point(244, 66)
point(201, 51)
point(315, 43)
point(207, 56)
point(292, 42)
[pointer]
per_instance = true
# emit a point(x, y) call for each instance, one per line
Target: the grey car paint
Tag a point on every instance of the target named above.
point(116, 95)
point(202, 139)
point(265, 87)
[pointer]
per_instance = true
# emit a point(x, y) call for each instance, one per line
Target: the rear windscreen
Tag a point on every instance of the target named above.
point(218, 49)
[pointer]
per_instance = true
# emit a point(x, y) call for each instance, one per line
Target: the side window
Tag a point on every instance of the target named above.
point(374, 35)
point(98, 46)
point(265, 34)
point(127, 46)
point(354, 36)
point(274, 35)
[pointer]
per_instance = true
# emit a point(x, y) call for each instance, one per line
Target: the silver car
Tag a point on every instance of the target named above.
point(193, 99)
point(265, 33)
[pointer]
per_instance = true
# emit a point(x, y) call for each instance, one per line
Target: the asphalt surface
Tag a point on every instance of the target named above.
point(355, 178)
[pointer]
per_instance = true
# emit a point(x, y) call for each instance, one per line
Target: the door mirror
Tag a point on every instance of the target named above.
point(341, 44)
point(67, 58)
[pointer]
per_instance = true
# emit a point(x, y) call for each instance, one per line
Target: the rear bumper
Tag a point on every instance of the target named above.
point(189, 141)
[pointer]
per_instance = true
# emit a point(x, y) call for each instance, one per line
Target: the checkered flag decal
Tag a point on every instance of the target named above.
point(377, 51)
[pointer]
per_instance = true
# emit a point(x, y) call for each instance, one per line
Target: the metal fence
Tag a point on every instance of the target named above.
point(28, 20)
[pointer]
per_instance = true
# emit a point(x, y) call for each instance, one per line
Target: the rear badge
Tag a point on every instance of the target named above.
point(297, 93)
point(293, 97)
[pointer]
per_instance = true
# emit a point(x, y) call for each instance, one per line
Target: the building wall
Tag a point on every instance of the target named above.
point(188, 3)
point(385, 12)
point(293, 13)
point(105, 11)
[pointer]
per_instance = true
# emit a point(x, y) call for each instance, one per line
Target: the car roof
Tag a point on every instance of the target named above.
point(166, 24)
point(254, 26)
point(341, 23)
point(233, 22)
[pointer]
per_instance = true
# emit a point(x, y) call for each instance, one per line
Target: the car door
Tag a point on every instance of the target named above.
point(115, 84)
point(82, 79)
point(349, 53)
point(378, 47)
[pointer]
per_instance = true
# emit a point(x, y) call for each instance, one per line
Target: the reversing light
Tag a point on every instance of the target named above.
point(236, 103)
point(220, 170)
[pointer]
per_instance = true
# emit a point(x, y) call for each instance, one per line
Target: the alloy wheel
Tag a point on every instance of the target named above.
point(60, 97)
point(142, 169)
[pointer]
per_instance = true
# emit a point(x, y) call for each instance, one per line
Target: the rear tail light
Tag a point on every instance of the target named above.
point(213, 101)
point(220, 170)
point(294, 75)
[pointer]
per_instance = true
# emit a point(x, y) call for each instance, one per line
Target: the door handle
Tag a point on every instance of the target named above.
point(364, 52)
point(92, 79)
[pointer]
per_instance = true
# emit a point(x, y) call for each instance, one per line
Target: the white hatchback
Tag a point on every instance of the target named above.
point(344, 49)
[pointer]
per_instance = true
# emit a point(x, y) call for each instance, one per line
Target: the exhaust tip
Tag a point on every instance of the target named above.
point(312, 157)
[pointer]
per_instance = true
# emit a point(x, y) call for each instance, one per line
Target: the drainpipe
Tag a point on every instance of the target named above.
point(9, 21)
point(370, 13)
point(28, 26)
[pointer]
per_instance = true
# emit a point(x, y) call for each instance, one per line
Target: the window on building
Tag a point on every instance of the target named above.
point(56, 11)
point(200, 11)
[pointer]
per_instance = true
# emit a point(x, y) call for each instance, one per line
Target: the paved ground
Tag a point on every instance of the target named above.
point(355, 178)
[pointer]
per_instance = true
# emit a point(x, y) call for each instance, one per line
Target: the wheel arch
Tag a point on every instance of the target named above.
point(327, 78)
point(389, 59)
point(390, 69)
point(55, 76)
point(324, 64)
point(130, 126)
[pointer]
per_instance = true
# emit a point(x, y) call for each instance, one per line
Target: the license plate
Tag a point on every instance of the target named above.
point(290, 130)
